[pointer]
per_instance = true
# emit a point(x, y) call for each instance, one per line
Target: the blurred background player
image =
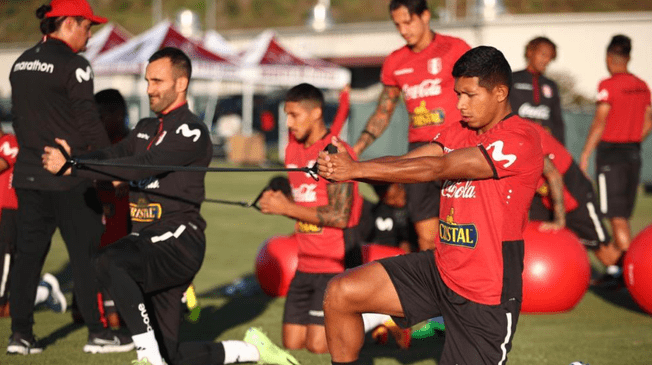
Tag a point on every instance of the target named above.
point(623, 119)
point(52, 100)
point(421, 71)
point(536, 98)
point(386, 222)
point(48, 291)
point(569, 194)
point(322, 210)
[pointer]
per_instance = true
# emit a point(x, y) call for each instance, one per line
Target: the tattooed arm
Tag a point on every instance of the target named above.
point(378, 121)
point(335, 214)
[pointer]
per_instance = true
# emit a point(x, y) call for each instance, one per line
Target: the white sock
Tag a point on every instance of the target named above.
point(42, 294)
point(373, 320)
point(147, 347)
point(239, 351)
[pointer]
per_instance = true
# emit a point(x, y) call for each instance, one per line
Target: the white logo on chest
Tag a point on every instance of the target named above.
point(429, 87)
point(83, 75)
point(305, 193)
point(384, 224)
point(187, 132)
point(534, 112)
point(7, 150)
point(458, 189)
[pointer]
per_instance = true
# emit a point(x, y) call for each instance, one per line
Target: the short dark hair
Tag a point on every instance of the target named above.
point(179, 60)
point(414, 7)
point(620, 45)
point(536, 42)
point(305, 92)
point(52, 24)
point(486, 63)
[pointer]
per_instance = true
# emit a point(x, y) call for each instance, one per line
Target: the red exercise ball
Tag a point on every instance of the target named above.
point(638, 269)
point(373, 252)
point(556, 270)
point(276, 263)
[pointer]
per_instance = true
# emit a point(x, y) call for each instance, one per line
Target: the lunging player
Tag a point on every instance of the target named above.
point(490, 165)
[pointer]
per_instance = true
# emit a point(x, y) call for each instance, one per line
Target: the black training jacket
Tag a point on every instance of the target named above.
point(178, 138)
point(547, 112)
point(52, 96)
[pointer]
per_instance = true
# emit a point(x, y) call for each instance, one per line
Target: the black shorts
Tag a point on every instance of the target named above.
point(305, 299)
point(422, 199)
point(618, 174)
point(475, 333)
point(586, 221)
point(538, 210)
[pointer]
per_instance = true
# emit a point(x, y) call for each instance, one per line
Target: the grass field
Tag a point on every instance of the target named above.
point(606, 327)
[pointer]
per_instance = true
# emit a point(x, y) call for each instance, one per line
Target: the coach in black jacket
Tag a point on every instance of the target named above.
point(52, 95)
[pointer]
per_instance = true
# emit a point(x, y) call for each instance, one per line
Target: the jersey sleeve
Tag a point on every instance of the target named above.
point(9, 149)
point(80, 91)
point(387, 72)
point(512, 151)
point(604, 95)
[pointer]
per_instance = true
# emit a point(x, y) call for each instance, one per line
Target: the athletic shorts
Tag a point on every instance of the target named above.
point(618, 174)
point(305, 299)
point(475, 333)
point(422, 199)
point(539, 211)
point(586, 221)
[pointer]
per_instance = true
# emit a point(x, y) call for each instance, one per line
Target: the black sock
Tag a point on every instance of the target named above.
point(354, 362)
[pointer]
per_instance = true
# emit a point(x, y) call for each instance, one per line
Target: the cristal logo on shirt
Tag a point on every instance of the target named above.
point(457, 234)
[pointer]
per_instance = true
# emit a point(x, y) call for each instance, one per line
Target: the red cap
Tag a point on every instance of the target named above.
point(74, 8)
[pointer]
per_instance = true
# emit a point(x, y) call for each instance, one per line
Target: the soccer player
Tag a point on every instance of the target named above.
point(623, 119)
point(421, 71)
point(490, 164)
point(322, 210)
point(148, 271)
point(52, 96)
point(534, 96)
point(569, 194)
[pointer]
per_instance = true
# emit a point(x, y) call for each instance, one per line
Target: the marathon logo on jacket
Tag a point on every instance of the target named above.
point(35, 65)
point(144, 211)
point(463, 235)
point(422, 117)
point(534, 112)
point(305, 227)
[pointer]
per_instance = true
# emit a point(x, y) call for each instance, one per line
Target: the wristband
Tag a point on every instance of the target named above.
point(370, 134)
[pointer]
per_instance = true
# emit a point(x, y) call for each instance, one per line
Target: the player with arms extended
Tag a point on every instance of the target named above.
point(490, 165)
point(421, 71)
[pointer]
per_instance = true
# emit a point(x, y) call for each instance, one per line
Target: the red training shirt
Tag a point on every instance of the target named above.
point(478, 217)
point(426, 80)
point(628, 96)
point(8, 152)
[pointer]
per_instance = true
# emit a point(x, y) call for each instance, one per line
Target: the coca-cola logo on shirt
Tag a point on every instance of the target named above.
point(534, 112)
point(305, 193)
point(458, 189)
point(428, 87)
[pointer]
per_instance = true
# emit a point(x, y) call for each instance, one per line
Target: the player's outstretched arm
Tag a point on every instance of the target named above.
point(647, 123)
point(467, 163)
point(379, 120)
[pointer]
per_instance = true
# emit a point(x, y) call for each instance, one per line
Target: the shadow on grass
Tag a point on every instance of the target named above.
point(245, 302)
point(614, 294)
point(421, 349)
point(60, 333)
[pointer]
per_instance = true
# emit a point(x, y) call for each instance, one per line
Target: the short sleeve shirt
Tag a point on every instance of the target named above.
point(321, 249)
point(8, 152)
point(628, 97)
point(477, 217)
point(426, 80)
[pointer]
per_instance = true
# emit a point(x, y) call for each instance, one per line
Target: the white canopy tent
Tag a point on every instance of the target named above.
point(108, 37)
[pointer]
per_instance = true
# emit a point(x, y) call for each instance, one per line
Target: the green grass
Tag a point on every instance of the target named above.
point(605, 328)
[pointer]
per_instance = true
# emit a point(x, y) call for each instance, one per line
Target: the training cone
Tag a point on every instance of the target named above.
point(556, 270)
point(276, 263)
point(373, 252)
point(638, 269)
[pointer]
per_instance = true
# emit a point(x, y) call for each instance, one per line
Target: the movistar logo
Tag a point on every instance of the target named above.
point(84, 75)
point(451, 233)
point(187, 132)
point(7, 150)
point(498, 154)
